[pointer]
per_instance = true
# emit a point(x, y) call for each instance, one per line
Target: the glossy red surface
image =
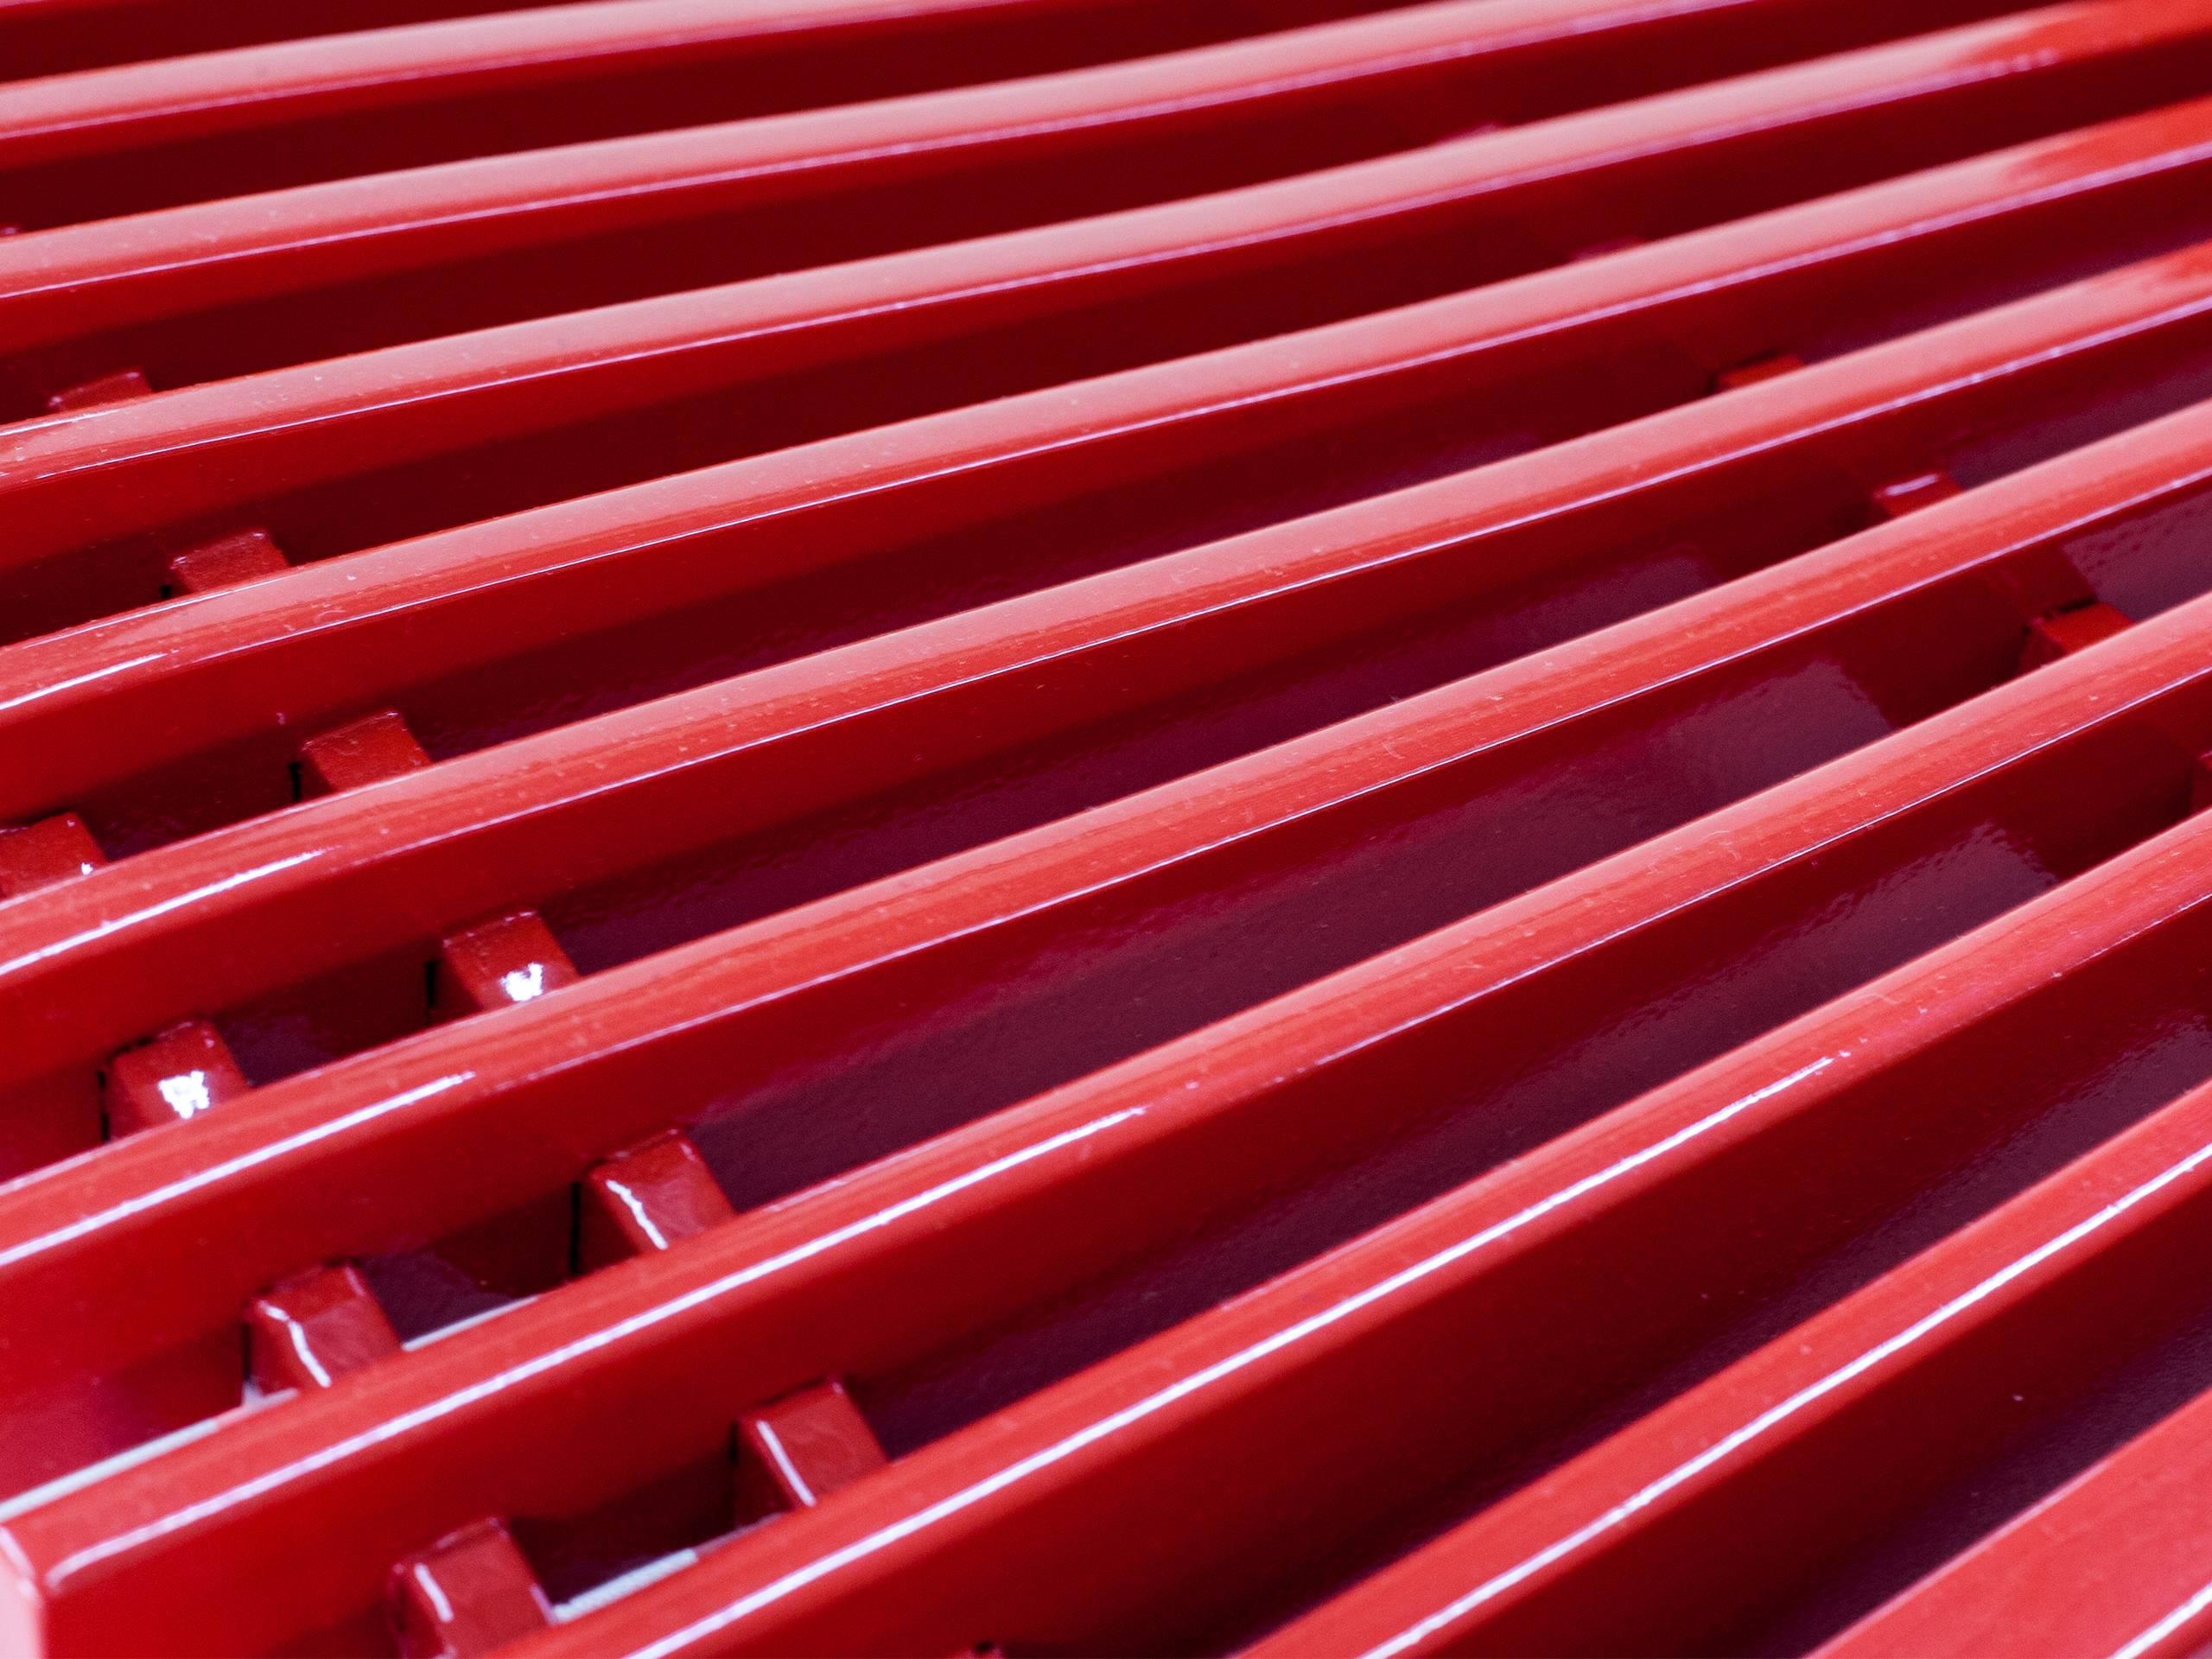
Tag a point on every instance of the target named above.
point(645, 1200)
point(40, 854)
point(807, 1445)
point(2112, 1562)
point(1088, 826)
point(308, 1332)
point(181, 1072)
point(470, 1593)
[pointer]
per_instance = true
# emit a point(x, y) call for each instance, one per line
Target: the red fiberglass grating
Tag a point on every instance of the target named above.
point(1069, 827)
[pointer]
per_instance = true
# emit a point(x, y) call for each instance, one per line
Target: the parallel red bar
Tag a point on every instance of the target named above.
point(1230, 1433)
point(62, 283)
point(2151, 473)
point(1741, 976)
point(571, 72)
point(92, 963)
point(98, 702)
point(465, 1423)
point(146, 104)
point(1517, 61)
point(44, 37)
point(2114, 1564)
point(1968, 574)
point(1682, 1531)
point(162, 462)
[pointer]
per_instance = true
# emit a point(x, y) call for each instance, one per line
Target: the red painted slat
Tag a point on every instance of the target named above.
point(1039, 826)
point(323, 640)
point(188, 457)
point(42, 37)
point(466, 86)
point(1691, 1517)
point(252, 906)
point(945, 1544)
point(72, 282)
point(600, 204)
point(2012, 754)
point(2112, 1564)
point(2137, 478)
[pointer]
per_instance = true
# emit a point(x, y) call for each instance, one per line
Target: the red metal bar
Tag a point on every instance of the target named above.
point(468, 1408)
point(940, 1546)
point(1682, 1530)
point(467, 87)
point(641, 552)
point(2005, 531)
point(65, 284)
point(2114, 1563)
point(324, 640)
point(279, 899)
point(1040, 826)
point(42, 37)
point(195, 461)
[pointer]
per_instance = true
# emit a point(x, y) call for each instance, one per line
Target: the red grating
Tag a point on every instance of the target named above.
point(1056, 827)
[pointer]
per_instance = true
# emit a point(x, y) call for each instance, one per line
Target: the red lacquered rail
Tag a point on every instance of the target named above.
point(1039, 826)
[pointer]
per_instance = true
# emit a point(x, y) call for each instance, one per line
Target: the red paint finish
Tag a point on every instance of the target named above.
point(1586, 923)
point(370, 750)
point(955, 1540)
point(624, 218)
point(2113, 1562)
point(312, 1330)
point(806, 1446)
point(118, 388)
point(1693, 1516)
point(390, 621)
point(1911, 494)
point(366, 444)
point(35, 856)
point(470, 1594)
point(247, 556)
point(1087, 826)
point(540, 78)
point(441, 846)
point(2063, 633)
point(496, 963)
point(184, 1072)
point(647, 1199)
point(1437, 728)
